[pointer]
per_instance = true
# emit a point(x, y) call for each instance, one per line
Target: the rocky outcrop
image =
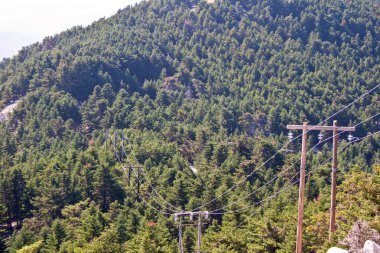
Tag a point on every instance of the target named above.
point(371, 247)
point(361, 239)
point(336, 250)
point(359, 234)
point(4, 114)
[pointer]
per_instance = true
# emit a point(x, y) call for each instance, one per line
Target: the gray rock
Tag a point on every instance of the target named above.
point(371, 247)
point(336, 250)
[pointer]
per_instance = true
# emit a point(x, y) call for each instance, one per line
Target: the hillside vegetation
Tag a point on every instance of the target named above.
point(172, 85)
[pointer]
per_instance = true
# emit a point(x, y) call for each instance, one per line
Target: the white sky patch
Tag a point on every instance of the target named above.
point(41, 18)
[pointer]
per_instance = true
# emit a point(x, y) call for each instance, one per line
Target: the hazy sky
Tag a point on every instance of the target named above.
point(23, 22)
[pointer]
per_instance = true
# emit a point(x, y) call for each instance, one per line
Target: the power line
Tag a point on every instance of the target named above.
point(280, 150)
point(147, 179)
point(181, 215)
point(290, 166)
point(282, 190)
point(171, 209)
point(301, 196)
point(230, 189)
point(145, 202)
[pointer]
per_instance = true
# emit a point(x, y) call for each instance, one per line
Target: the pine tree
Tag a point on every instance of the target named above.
point(93, 223)
point(56, 236)
point(121, 229)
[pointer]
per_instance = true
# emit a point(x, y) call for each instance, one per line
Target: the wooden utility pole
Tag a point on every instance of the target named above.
point(180, 239)
point(129, 175)
point(138, 184)
point(122, 144)
point(301, 194)
point(200, 214)
point(305, 127)
point(114, 144)
point(137, 175)
point(199, 234)
point(333, 180)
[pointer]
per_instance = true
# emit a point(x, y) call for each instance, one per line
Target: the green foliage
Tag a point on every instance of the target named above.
point(93, 223)
point(3, 246)
point(20, 239)
point(56, 236)
point(153, 237)
point(202, 94)
point(33, 248)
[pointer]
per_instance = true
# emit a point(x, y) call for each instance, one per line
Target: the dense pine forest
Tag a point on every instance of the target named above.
point(197, 94)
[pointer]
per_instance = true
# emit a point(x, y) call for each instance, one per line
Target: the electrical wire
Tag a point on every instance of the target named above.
point(147, 179)
point(145, 202)
point(283, 189)
point(280, 150)
point(233, 187)
point(272, 196)
point(282, 172)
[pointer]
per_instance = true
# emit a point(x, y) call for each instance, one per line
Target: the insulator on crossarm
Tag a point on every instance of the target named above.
point(320, 137)
point(290, 136)
point(350, 137)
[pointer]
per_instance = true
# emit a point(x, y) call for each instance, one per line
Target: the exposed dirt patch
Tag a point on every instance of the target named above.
point(8, 110)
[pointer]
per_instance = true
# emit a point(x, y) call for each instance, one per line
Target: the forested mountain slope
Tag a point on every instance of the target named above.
point(188, 83)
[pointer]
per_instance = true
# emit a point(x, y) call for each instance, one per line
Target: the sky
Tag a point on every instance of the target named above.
point(23, 22)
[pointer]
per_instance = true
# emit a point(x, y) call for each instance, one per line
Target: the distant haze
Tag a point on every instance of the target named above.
point(23, 22)
point(10, 43)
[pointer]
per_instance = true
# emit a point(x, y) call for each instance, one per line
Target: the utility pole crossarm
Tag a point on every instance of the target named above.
point(191, 213)
point(305, 128)
point(180, 216)
point(320, 128)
